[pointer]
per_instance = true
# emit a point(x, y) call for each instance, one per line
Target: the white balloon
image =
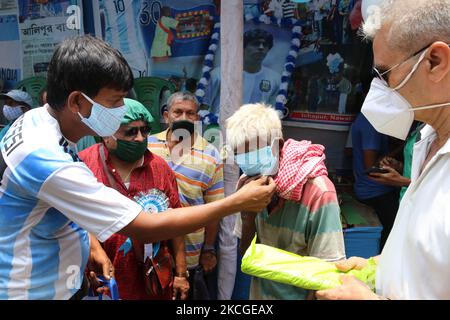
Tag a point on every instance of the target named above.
point(200, 93)
point(297, 29)
point(280, 114)
point(203, 113)
point(365, 6)
point(281, 98)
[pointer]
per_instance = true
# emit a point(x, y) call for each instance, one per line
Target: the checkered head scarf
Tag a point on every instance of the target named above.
point(299, 161)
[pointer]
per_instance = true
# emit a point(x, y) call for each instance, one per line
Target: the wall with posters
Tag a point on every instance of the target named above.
point(10, 48)
point(326, 89)
point(160, 38)
point(43, 25)
point(31, 29)
point(169, 39)
point(331, 75)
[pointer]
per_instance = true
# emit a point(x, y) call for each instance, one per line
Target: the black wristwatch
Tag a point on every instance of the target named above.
point(182, 274)
point(209, 248)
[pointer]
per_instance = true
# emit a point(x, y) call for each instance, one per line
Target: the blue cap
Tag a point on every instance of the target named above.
point(19, 96)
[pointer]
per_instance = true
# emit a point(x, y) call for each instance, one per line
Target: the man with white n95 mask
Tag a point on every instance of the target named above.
point(412, 59)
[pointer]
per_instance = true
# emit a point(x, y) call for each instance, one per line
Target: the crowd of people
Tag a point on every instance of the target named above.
point(144, 208)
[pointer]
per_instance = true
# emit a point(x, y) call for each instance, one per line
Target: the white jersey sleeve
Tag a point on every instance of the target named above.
point(100, 210)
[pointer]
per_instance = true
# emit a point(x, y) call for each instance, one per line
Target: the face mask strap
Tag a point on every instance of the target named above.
point(275, 146)
point(416, 66)
point(80, 115)
point(88, 99)
point(431, 106)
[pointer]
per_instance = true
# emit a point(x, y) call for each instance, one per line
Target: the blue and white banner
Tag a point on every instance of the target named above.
point(160, 38)
point(312, 53)
point(10, 60)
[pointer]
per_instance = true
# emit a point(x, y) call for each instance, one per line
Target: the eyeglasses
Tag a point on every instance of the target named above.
point(133, 131)
point(383, 75)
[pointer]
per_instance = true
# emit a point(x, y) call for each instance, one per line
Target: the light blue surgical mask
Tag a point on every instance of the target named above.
point(258, 162)
point(12, 113)
point(103, 121)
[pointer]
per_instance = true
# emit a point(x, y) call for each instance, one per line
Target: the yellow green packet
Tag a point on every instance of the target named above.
point(305, 272)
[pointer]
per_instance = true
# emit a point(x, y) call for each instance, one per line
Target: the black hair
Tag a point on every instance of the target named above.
point(191, 84)
point(85, 64)
point(256, 34)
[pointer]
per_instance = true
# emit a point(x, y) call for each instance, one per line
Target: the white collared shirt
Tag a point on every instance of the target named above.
point(415, 262)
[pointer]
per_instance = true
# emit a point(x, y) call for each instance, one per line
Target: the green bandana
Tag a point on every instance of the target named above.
point(129, 151)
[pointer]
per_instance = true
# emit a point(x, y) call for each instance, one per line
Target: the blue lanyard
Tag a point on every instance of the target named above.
point(112, 286)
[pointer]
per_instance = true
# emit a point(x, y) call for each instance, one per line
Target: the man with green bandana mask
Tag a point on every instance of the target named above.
point(123, 162)
point(129, 143)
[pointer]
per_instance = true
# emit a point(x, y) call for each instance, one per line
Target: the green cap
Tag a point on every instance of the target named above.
point(136, 111)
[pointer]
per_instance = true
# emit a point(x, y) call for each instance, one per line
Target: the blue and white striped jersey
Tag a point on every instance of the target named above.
point(49, 200)
point(122, 31)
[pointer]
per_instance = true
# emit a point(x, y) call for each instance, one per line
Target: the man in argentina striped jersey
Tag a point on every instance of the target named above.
point(51, 203)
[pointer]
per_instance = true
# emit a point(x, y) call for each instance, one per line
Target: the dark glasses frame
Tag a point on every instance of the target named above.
point(133, 131)
point(382, 75)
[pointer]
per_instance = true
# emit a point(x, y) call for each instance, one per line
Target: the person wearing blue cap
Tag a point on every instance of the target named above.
point(17, 102)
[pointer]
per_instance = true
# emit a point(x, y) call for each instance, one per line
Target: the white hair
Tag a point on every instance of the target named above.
point(183, 96)
point(413, 23)
point(251, 123)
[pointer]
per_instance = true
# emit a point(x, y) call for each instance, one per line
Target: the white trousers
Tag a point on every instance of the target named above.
point(226, 265)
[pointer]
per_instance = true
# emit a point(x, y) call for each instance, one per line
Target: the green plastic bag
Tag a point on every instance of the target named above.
point(305, 272)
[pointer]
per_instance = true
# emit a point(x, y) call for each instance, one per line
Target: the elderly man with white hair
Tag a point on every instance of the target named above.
point(412, 59)
point(303, 217)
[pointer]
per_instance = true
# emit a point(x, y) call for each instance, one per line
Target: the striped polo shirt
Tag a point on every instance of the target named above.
point(199, 178)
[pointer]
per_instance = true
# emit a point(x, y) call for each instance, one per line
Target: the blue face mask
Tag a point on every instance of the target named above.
point(103, 121)
point(258, 162)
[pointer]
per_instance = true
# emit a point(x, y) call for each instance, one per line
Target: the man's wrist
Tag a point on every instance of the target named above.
point(184, 274)
point(233, 202)
point(94, 243)
point(209, 248)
